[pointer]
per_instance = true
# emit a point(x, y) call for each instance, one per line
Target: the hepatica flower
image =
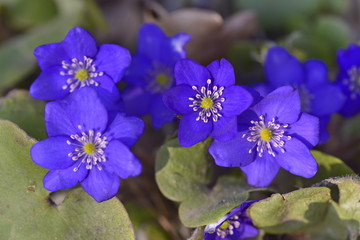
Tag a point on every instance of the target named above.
point(234, 225)
point(78, 62)
point(319, 96)
point(151, 73)
point(86, 145)
point(207, 100)
point(349, 79)
point(271, 134)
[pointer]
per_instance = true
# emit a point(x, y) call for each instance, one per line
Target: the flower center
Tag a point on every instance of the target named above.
point(89, 149)
point(267, 136)
point(353, 82)
point(159, 78)
point(208, 102)
point(162, 79)
point(80, 73)
point(227, 227)
point(225, 224)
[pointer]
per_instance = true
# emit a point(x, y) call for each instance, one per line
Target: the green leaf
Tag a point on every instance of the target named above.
point(334, 29)
point(294, 211)
point(183, 174)
point(26, 211)
point(277, 14)
point(209, 206)
point(330, 228)
point(16, 55)
point(349, 205)
point(342, 220)
point(330, 211)
point(94, 16)
point(24, 14)
point(180, 171)
point(323, 38)
point(28, 113)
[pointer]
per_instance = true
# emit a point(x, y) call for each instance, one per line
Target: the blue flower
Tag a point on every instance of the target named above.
point(87, 145)
point(319, 97)
point(78, 62)
point(348, 79)
point(207, 100)
point(271, 134)
point(151, 73)
point(234, 225)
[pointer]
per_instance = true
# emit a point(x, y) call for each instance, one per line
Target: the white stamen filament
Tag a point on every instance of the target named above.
point(212, 93)
point(278, 135)
point(98, 144)
point(70, 69)
point(353, 82)
point(233, 222)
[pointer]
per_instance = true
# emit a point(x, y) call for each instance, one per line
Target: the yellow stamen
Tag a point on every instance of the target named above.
point(266, 134)
point(89, 148)
point(162, 79)
point(225, 225)
point(207, 103)
point(82, 74)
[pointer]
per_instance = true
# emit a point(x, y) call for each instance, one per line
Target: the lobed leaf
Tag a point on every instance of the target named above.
point(208, 207)
point(342, 219)
point(294, 211)
point(330, 211)
point(182, 172)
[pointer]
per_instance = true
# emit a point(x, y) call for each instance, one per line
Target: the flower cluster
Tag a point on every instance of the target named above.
point(258, 134)
point(89, 137)
point(151, 73)
point(259, 129)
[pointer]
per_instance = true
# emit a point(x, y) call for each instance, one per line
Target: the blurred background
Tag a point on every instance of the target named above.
point(239, 30)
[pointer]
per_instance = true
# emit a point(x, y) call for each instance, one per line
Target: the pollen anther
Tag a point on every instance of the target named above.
point(227, 227)
point(353, 82)
point(207, 101)
point(81, 73)
point(89, 149)
point(267, 135)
